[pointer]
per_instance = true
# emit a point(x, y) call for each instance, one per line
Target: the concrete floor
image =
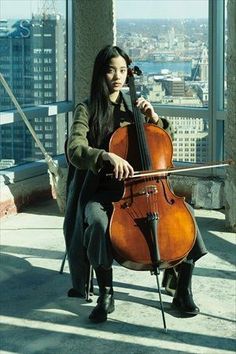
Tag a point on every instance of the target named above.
point(38, 317)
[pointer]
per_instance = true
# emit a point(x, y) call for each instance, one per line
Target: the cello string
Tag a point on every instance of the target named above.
point(145, 155)
point(145, 158)
point(146, 163)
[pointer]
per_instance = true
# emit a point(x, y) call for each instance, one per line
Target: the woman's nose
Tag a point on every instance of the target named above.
point(117, 74)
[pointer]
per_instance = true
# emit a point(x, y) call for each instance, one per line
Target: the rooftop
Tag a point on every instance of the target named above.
point(38, 317)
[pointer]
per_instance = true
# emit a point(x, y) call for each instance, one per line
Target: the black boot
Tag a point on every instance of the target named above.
point(169, 281)
point(183, 299)
point(105, 302)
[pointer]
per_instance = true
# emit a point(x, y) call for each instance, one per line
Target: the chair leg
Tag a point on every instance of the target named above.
point(89, 284)
point(169, 280)
point(63, 263)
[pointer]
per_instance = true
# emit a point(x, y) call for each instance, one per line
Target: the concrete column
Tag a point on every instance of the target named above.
point(230, 124)
point(94, 27)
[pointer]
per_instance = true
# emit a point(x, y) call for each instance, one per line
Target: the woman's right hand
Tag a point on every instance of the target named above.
point(122, 169)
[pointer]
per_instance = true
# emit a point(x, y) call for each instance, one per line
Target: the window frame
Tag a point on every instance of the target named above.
point(215, 113)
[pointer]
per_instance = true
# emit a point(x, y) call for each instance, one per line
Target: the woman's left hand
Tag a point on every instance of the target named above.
point(147, 109)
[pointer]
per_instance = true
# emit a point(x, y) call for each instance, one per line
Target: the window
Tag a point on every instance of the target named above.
point(170, 49)
point(179, 47)
point(34, 62)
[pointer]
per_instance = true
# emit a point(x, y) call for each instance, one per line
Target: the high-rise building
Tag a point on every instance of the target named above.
point(190, 139)
point(32, 60)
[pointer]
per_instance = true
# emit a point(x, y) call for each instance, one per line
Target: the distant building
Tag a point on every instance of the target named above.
point(204, 65)
point(32, 62)
point(174, 87)
point(182, 101)
point(156, 93)
point(190, 139)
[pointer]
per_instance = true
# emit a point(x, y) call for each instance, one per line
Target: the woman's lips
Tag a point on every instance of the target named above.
point(116, 84)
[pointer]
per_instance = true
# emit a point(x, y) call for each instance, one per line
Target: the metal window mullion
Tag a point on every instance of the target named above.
point(70, 55)
point(219, 58)
point(218, 81)
point(38, 111)
point(211, 86)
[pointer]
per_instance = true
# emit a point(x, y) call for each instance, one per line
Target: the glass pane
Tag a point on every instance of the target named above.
point(225, 57)
point(33, 51)
point(168, 41)
point(33, 61)
point(19, 146)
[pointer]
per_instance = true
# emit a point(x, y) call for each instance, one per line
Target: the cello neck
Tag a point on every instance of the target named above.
point(138, 120)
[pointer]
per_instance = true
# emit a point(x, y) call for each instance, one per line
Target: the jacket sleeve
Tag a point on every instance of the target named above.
point(79, 153)
point(164, 124)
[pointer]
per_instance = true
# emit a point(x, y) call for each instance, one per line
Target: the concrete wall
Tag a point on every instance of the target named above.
point(230, 123)
point(15, 195)
point(30, 183)
point(94, 27)
point(201, 192)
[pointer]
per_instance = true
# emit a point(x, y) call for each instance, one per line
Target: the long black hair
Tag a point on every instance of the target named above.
point(99, 103)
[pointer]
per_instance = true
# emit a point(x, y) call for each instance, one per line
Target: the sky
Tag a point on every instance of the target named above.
point(25, 8)
point(124, 8)
point(162, 8)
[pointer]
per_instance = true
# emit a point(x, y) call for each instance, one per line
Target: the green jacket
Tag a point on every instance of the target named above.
point(82, 182)
point(79, 151)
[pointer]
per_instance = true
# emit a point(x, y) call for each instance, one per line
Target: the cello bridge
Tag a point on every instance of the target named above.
point(148, 190)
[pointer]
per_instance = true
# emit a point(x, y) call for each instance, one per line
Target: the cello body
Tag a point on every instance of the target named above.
point(137, 239)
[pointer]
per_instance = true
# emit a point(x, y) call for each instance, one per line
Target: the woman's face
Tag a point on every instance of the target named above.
point(116, 74)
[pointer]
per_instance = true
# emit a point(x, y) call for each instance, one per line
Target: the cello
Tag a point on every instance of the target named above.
point(148, 213)
point(150, 228)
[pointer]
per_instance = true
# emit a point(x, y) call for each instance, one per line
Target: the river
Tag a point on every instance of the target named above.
point(149, 67)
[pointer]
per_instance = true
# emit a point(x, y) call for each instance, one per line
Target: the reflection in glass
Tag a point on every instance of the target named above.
point(33, 61)
point(33, 56)
point(19, 147)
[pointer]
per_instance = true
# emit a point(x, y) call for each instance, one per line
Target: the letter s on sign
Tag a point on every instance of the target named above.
point(25, 32)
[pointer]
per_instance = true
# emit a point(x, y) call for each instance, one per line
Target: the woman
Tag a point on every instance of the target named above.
point(90, 193)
